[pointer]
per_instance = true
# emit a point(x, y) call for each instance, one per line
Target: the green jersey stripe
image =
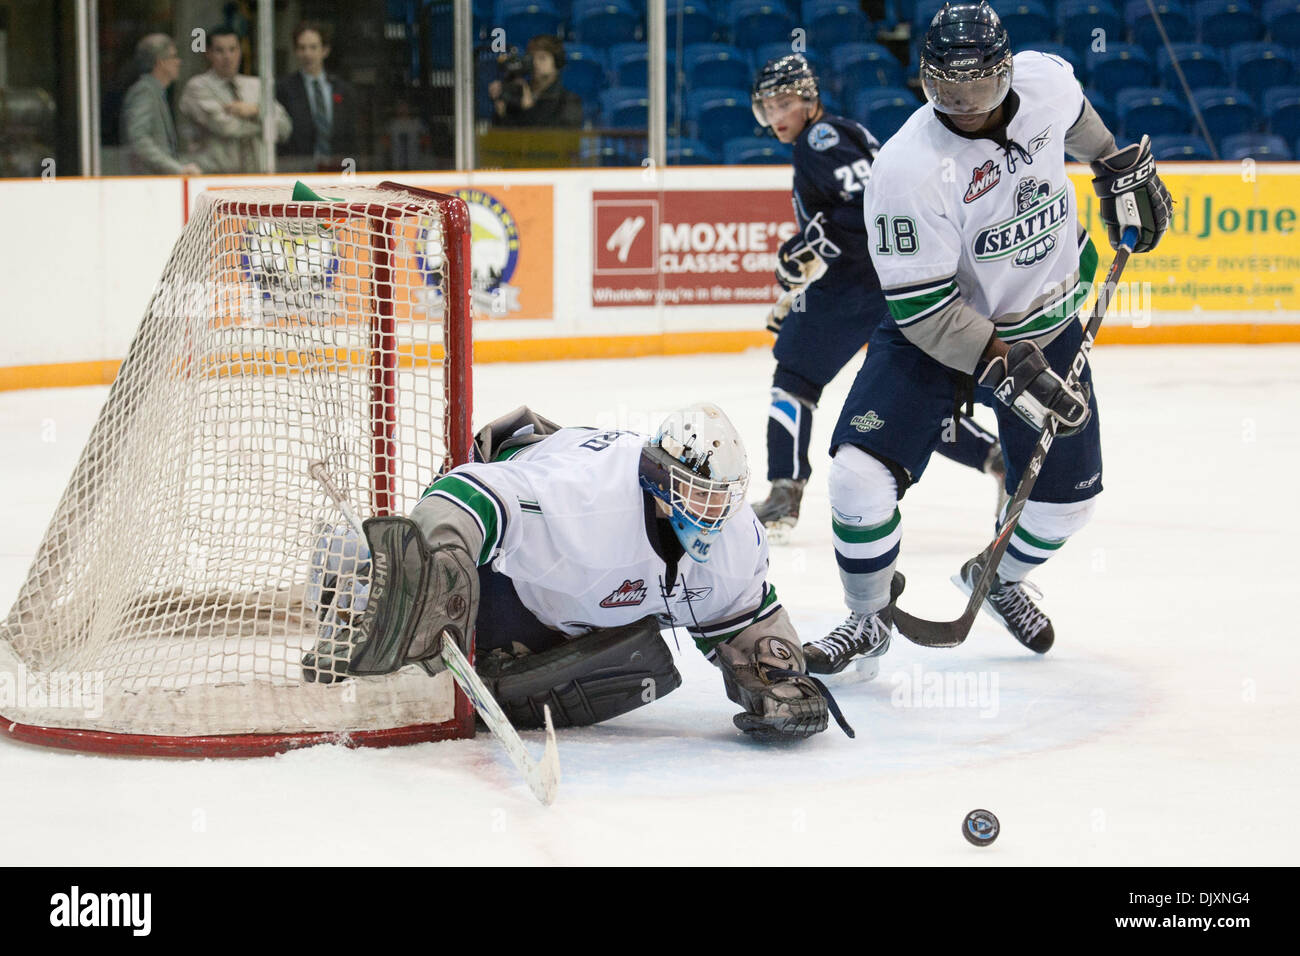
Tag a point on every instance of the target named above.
point(483, 507)
point(915, 307)
point(1035, 542)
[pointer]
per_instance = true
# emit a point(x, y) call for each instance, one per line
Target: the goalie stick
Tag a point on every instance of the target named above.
point(543, 776)
point(951, 633)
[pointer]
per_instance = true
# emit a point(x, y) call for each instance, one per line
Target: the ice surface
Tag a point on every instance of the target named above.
point(1161, 729)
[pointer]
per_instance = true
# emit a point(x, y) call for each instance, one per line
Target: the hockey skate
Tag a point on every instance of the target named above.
point(861, 640)
point(1010, 604)
point(779, 512)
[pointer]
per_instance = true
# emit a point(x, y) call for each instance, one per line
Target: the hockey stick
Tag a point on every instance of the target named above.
point(951, 633)
point(543, 777)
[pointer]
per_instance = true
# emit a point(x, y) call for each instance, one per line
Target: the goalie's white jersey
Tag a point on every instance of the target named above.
point(955, 220)
point(565, 520)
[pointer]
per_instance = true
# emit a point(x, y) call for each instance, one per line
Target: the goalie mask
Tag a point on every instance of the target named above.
point(696, 465)
point(966, 60)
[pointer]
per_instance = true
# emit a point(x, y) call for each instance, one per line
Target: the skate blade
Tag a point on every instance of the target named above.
point(779, 531)
point(860, 671)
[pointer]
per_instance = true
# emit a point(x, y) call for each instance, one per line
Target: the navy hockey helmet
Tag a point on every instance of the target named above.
point(966, 60)
point(787, 74)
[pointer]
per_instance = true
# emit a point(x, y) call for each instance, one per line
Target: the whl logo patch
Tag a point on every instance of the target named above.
point(1030, 235)
point(627, 594)
point(867, 423)
point(982, 180)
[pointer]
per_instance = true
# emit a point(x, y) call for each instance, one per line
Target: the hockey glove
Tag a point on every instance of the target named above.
point(802, 258)
point(1132, 195)
point(789, 301)
point(766, 678)
point(1025, 383)
point(338, 589)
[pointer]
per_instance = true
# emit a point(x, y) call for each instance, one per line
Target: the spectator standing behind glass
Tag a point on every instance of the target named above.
point(221, 111)
point(530, 94)
point(321, 106)
point(147, 124)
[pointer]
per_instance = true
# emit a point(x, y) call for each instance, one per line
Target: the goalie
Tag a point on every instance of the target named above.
point(562, 552)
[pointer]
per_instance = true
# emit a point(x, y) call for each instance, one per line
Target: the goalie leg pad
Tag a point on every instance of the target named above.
point(416, 592)
point(586, 679)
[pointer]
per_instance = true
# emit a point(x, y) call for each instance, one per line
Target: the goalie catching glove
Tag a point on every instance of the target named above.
point(1025, 383)
point(1132, 195)
point(766, 676)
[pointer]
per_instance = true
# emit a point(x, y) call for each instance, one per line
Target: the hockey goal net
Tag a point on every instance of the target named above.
point(170, 605)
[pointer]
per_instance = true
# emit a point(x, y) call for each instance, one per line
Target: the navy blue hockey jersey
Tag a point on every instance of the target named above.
point(832, 162)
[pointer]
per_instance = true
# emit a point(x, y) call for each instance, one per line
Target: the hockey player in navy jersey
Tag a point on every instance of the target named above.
point(985, 273)
point(833, 300)
point(566, 551)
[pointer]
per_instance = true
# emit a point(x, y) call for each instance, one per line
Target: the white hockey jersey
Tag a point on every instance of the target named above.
point(565, 520)
point(956, 221)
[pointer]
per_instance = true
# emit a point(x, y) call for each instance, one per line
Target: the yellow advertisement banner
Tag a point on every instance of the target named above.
point(1233, 245)
point(512, 230)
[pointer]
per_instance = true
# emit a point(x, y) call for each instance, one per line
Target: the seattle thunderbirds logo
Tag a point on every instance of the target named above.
point(1029, 236)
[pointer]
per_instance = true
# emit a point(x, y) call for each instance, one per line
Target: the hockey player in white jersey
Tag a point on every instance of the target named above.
point(566, 551)
point(975, 236)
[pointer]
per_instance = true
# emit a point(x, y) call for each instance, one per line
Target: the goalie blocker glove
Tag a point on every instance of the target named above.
point(1132, 195)
point(1025, 383)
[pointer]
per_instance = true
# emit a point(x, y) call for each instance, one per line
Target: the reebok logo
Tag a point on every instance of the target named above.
point(75, 909)
point(627, 594)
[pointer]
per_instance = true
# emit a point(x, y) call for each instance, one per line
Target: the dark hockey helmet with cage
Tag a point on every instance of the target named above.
point(966, 59)
point(787, 74)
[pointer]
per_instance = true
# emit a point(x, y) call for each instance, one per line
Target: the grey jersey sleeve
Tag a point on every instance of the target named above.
point(1088, 138)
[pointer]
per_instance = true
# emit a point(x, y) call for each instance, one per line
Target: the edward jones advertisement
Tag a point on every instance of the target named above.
point(687, 247)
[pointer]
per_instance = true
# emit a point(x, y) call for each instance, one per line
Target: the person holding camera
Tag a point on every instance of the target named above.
point(529, 92)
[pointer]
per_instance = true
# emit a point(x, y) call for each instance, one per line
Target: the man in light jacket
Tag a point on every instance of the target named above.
point(150, 133)
point(221, 119)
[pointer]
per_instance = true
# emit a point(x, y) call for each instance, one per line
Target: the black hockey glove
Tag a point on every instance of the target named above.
point(802, 258)
point(767, 679)
point(1132, 195)
point(1026, 384)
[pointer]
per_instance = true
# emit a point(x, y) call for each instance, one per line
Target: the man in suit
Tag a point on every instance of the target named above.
point(221, 112)
point(322, 106)
point(147, 125)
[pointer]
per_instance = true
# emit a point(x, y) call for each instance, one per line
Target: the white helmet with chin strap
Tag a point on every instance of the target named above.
point(696, 465)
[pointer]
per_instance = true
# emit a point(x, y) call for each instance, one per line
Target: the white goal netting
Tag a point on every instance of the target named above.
point(170, 586)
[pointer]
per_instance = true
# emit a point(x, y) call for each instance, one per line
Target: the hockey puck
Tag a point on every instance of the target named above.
point(980, 828)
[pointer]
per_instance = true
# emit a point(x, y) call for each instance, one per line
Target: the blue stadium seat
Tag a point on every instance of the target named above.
point(836, 21)
point(1282, 20)
point(627, 65)
point(883, 112)
point(697, 24)
point(1151, 111)
point(1225, 22)
point(1104, 107)
point(715, 64)
point(1202, 65)
point(1174, 16)
point(624, 107)
point(858, 65)
point(1118, 66)
point(525, 19)
point(690, 152)
point(1079, 18)
point(1028, 23)
point(1257, 66)
point(719, 114)
point(756, 151)
point(756, 22)
point(584, 71)
point(1226, 110)
point(1186, 147)
point(1068, 54)
point(602, 23)
point(1282, 109)
point(1255, 146)
point(774, 51)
